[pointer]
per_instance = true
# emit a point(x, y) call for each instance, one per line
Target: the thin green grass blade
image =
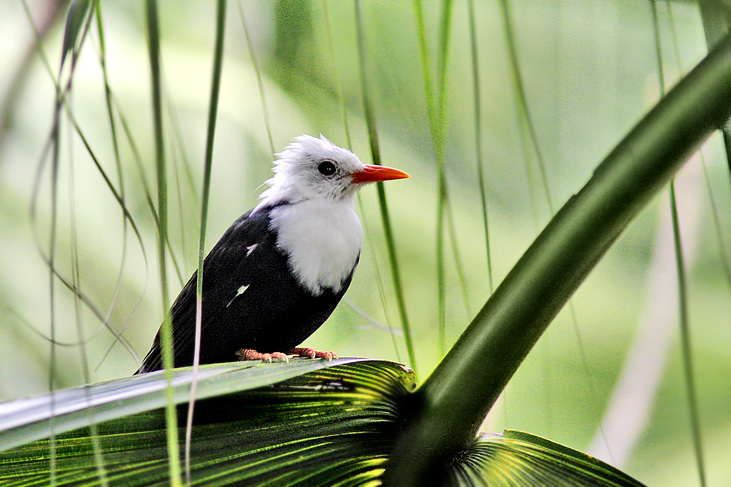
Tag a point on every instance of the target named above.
point(364, 220)
point(716, 16)
point(685, 340)
point(208, 165)
point(161, 171)
point(682, 285)
point(383, 206)
point(436, 131)
point(336, 77)
point(46, 258)
point(119, 198)
point(379, 281)
point(436, 112)
point(180, 160)
point(78, 16)
point(146, 187)
point(177, 133)
point(461, 276)
point(445, 25)
point(208, 161)
point(51, 146)
point(478, 136)
point(76, 281)
point(442, 190)
point(118, 165)
point(166, 339)
point(51, 284)
point(718, 228)
point(259, 82)
point(425, 66)
point(69, 46)
point(522, 99)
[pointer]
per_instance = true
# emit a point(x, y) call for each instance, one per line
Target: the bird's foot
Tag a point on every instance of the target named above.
point(308, 352)
point(251, 354)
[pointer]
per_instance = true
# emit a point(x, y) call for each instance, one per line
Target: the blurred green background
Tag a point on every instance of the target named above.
point(590, 71)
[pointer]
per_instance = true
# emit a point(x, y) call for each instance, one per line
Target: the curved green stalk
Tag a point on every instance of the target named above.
point(436, 106)
point(722, 246)
point(336, 77)
point(346, 127)
point(385, 217)
point(442, 191)
point(117, 158)
point(478, 131)
point(208, 163)
point(450, 406)
point(695, 421)
point(166, 339)
point(259, 82)
point(522, 99)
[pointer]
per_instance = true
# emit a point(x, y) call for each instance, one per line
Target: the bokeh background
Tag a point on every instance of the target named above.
point(608, 375)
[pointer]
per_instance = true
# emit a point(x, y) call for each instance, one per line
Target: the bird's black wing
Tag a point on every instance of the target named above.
point(250, 300)
point(226, 256)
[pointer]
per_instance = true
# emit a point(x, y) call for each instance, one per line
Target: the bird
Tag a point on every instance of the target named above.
point(280, 269)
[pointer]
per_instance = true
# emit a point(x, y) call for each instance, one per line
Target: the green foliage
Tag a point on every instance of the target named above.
point(304, 423)
point(76, 20)
point(356, 422)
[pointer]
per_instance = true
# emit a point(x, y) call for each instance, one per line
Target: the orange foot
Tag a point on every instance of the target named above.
point(308, 352)
point(251, 354)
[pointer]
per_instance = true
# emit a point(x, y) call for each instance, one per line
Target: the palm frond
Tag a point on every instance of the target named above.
point(302, 423)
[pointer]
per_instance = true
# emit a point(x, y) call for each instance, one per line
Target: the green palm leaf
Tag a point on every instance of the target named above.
point(303, 423)
point(254, 423)
point(517, 458)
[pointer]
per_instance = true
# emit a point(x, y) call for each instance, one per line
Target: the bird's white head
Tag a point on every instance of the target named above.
point(318, 229)
point(312, 168)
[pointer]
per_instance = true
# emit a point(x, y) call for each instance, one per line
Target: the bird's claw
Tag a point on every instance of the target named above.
point(311, 353)
point(251, 354)
point(306, 352)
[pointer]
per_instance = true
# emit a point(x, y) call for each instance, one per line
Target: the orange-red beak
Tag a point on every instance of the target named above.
point(378, 173)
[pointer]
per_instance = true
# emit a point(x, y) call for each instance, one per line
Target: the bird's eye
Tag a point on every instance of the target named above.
point(326, 168)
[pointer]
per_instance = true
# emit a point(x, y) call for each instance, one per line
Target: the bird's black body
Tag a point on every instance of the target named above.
point(251, 299)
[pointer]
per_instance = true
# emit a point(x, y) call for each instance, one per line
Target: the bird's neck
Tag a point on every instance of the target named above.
point(322, 240)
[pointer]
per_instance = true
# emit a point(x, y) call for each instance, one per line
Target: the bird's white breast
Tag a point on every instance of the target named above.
point(322, 239)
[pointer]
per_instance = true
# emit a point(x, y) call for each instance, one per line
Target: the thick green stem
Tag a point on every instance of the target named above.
point(716, 15)
point(453, 401)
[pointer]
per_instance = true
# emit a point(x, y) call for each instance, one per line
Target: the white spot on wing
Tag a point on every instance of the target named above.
point(241, 290)
point(250, 249)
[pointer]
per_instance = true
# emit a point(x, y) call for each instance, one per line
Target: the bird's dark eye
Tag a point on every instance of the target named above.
point(326, 168)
